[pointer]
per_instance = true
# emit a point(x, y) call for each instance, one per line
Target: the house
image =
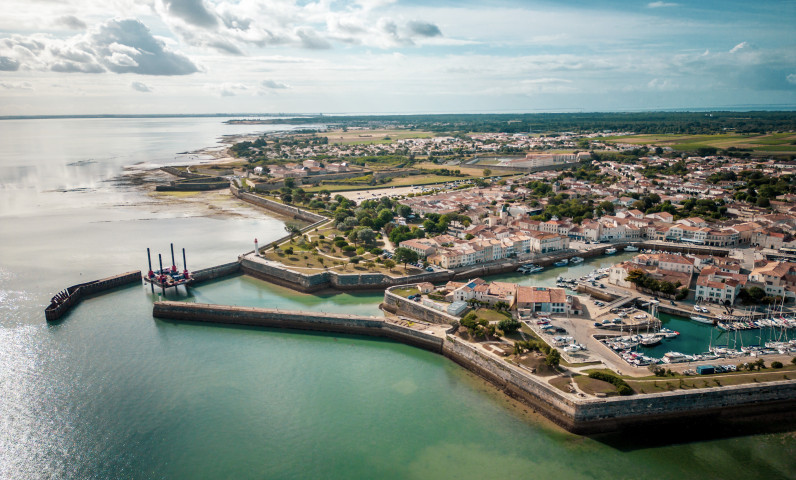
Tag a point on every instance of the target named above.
point(542, 299)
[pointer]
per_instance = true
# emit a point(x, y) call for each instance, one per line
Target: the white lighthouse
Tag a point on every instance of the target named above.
point(256, 248)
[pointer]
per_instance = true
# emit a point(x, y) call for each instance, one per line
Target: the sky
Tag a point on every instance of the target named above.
point(81, 57)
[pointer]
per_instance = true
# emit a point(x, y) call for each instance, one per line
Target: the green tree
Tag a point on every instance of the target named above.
point(405, 255)
point(292, 230)
point(290, 182)
point(389, 265)
point(366, 235)
point(487, 172)
point(553, 358)
point(509, 325)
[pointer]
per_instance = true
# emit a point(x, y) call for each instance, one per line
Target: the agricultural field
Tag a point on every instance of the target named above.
point(773, 143)
point(364, 137)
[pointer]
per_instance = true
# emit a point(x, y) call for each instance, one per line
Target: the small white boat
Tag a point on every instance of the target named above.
point(631, 248)
point(610, 251)
point(701, 319)
point(561, 263)
point(576, 260)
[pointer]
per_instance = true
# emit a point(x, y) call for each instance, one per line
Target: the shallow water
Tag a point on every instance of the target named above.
point(110, 392)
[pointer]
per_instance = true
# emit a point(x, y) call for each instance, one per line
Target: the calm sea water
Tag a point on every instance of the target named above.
point(110, 392)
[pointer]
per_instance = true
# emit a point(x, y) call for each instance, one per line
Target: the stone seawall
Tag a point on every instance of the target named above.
point(403, 306)
point(280, 208)
point(514, 382)
point(276, 273)
point(65, 300)
point(298, 320)
point(218, 271)
point(734, 405)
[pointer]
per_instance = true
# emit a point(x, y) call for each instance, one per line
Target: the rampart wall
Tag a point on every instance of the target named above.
point(71, 296)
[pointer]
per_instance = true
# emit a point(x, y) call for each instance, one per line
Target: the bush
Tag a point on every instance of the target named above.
point(321, 236)
point(361, 251)
point(621, 386)
point(355, 260)
point(776, 365)
point(376, 251)
point(340, 243)
point(289, 250)
point(349, 248)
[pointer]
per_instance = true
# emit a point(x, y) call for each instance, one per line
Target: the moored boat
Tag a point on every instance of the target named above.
point(610, 251)
point(701, 319)
point(631, 248)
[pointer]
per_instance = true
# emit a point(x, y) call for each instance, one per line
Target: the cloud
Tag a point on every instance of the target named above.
point(424, 29)
point(141, 87)
point(127, 46)
point(193, 12)
point(739, 47)
point(17, 85)
point(119, 46)
point(662, 4)
point(71, 22)
point(8, 64)
point(227, 89)
point(791, 78)
point(74, 67)
point(310, 39)
point(273, 84)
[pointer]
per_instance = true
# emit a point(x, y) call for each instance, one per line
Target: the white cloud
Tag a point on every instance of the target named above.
point(739, 47)
point(119, 46)
point(17, 85)
point(141, 87)
point(71, 22)
point(273, 84)
point(791, 78)
point(661, 4)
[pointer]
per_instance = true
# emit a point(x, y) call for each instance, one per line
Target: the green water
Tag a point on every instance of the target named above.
point(110, 392)
point(129, 396)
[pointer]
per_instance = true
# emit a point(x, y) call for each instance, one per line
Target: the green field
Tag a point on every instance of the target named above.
point(395, 182)
point(366, 137)
point(780, 143)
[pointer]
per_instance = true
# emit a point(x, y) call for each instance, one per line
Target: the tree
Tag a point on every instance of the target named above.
point(553, 358)
point(509, 325)
point(487, 172)
point(389, 264)
point(366, 235)
point(292, 230)
point(290, 183)
point(405, 255)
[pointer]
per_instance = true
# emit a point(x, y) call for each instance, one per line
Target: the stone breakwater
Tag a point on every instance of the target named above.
point(71, 296)
point(418, 334)
point(725, 405)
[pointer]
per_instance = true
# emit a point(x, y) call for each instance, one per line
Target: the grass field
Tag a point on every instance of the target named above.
point(491, 315)
point(780, 143)
point(364, 137)
point(395, 182)
point(472, 170)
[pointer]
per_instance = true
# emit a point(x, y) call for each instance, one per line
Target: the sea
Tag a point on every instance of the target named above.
point(110, 392)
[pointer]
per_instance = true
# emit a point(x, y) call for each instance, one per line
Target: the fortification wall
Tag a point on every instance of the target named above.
point(403, 306)
point(280, 208)
point(61, 303)
point(316, 321)
point(277, 273)
point(218, 271)
point(515, 383)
